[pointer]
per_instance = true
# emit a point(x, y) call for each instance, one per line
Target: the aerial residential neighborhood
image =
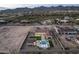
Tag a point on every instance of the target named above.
point(40, 30)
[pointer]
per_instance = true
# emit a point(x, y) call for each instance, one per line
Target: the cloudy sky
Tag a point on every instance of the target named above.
point(23, 5)
point(34, 3)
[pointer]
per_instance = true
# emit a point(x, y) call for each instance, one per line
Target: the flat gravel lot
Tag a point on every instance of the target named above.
point(12, 38)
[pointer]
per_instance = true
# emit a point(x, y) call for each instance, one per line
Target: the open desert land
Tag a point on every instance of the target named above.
point(12, 37)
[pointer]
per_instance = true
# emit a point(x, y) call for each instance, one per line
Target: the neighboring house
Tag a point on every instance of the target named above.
point(65, 20)
point(47, 22)
point(24, 21)
point(77, 19)
point(3, 22)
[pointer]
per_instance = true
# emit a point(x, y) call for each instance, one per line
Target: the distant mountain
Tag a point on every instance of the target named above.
point(17, 10)
point(38, 9)
point(3, 8)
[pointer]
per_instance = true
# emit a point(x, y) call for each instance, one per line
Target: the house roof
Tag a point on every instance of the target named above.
point(63, 20)
point(2, 21)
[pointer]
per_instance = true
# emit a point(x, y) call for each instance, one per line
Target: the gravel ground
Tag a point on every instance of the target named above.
point(12, 37)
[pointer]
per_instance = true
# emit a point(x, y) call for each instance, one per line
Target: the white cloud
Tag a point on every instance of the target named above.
point(39, 1)
point(18, 3)
point(22, 5)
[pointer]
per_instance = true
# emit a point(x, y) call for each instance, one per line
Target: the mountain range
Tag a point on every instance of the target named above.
point(3, 8)
point(37, 9)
